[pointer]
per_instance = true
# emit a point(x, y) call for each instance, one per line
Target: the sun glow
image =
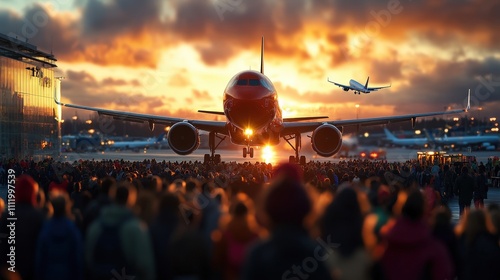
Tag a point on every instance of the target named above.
point(268, 155)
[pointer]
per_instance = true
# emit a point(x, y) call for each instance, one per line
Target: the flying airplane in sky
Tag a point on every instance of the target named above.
point(357, 87)
point(254, 118)
point(136, 145)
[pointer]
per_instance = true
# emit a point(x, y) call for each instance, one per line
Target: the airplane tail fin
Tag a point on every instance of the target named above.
point(262, 56)
point(388, 134)
point(468, 102)
point(429, 136)
point(367, 80)
point(160, 137)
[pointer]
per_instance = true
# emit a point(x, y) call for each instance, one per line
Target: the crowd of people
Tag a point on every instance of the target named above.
point(355, 219)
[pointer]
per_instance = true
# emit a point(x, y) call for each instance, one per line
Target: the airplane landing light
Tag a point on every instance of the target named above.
point(248, 132)
point(268, 155)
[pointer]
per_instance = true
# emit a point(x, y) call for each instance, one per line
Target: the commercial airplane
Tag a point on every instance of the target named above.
point(357, 87)
point(487, 142)
point(136, 145)
point(254, 118)
point(406, 142)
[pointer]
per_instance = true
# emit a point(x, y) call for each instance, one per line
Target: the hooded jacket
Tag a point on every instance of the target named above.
point(135, 240)
point(412, 253)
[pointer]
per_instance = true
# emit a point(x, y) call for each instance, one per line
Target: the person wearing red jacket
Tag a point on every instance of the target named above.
point(412, 252)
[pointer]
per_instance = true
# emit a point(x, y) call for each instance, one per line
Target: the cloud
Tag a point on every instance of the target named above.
point(81, 87)
point(133, 33)
point(201, 95)
point(389, 40)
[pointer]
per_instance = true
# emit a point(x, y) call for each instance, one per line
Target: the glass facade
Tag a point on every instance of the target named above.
point(29, 117)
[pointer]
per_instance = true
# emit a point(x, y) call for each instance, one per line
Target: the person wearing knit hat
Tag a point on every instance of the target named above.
point(28, 224)
point(26, 189)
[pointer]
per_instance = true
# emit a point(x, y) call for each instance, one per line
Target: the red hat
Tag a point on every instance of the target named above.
point(289, 170)
point(26, 189)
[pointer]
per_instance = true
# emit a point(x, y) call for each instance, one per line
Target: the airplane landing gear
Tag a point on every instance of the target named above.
point(213, 157)
point(248, 151)
point(295, 159)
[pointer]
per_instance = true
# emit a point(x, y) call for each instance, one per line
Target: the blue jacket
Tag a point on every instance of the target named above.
point(59, 253)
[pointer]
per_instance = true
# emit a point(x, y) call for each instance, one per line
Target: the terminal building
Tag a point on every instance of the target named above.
point(30, 120)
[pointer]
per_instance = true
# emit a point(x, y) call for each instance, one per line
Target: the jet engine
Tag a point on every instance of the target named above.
point(326, 140)
point(183, 138)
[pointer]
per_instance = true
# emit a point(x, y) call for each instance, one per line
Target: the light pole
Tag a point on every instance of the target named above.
point(357, 111)
point(74, 118)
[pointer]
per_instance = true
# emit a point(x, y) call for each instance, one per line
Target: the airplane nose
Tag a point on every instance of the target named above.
point(250, 113)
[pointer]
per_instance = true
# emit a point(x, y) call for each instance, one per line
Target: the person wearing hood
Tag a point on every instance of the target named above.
point(411, 250)
point(59, 253)
point(117, 243)
point(289, 252)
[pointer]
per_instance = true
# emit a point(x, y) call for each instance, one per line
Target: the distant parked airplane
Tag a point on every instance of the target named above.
point(136, 145)
point(487, 142)
point(406, 142)
point(357, 87)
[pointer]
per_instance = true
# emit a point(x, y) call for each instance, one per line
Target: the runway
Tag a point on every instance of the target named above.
point(393, 155)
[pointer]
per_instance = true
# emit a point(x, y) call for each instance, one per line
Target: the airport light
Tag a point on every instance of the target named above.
point(455, 119)
point(88, 121)
point(495, 129)
point(493, 119)
point(366, 135)
point(418, 132)
point(167, 128)
point(74, 118)
point(357, 110)
point(446, 130)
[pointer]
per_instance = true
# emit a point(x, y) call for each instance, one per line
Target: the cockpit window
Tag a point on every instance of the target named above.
point(267, 85)
point(254, 82)
point(242, 82)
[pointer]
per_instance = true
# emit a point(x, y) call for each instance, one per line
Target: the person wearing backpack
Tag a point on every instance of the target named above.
point(117, 243)
point(59, 253)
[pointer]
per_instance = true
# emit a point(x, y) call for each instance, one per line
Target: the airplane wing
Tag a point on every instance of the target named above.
point(345, 87)
point(292, 128)
point(215, 126)
point(377, 88)
point(212, 112)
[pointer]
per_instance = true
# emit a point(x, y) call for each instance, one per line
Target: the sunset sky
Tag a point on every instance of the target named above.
point(175, 57)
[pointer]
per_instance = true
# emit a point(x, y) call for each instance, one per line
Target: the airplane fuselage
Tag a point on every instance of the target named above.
point(469, 140)
point(357, 86)
point(251, 107)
